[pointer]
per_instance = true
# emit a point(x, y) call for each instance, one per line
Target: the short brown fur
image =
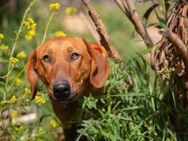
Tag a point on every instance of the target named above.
point(86, 73)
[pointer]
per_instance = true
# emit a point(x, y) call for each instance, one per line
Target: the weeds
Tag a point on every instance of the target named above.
point(138, 114)
point(18, 112)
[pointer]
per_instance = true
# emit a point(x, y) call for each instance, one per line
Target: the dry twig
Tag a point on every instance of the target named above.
point(127, 6)
point(104, 37)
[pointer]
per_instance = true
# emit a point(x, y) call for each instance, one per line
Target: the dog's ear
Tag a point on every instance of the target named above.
point(99, 65)
point(31, 73)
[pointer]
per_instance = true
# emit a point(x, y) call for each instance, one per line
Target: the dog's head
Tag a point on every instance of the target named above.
point(68, 66)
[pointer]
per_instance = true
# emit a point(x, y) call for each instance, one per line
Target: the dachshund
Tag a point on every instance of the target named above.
point(70, 67)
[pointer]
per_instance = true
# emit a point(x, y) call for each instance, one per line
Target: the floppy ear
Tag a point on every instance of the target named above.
point(99, 65)
point(31, 73)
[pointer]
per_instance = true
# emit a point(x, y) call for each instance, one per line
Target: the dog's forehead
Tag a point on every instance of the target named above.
point(63, 44)
point(73, 43)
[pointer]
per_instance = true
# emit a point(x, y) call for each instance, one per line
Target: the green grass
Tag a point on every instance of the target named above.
point(147, 111)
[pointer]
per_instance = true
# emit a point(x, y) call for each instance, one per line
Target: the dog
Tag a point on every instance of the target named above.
point(70, 67)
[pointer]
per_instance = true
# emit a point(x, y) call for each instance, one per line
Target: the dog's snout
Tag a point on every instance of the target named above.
point(61, 90)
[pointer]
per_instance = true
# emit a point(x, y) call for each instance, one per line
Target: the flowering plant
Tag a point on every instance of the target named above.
point(16, 109)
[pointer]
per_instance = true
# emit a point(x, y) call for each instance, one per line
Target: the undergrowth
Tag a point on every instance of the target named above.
point(143, 111)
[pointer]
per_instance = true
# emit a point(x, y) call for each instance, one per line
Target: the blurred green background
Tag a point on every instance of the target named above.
point(118, 26)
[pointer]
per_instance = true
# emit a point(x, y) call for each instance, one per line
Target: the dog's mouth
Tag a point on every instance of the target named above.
point(63, 94)
point(63, 98)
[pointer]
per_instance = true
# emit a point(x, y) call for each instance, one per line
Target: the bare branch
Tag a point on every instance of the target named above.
point(104, 37)
point(129, 10)
point(120, 5)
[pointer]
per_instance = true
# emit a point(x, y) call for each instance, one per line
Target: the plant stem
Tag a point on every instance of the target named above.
point(47, 26)
point(16, 40)
point(21, 26)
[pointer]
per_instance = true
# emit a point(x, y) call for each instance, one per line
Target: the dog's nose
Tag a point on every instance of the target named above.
point(61, 90)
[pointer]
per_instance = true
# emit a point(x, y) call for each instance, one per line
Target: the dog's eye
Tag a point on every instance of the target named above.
point(74, 56)
point(46, 58)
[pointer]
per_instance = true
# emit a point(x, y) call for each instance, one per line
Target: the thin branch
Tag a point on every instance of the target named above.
point(120, 5)
point(130, 6)
point(129, 10)
point(104, 37)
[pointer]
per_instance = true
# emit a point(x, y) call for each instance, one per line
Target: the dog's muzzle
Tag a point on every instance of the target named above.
point(61, 90)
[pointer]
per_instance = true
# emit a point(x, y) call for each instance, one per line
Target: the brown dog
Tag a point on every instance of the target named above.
point(70, 67)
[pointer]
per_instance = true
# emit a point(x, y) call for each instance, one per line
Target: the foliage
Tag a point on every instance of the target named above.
point(141, 113)
point(21, 118)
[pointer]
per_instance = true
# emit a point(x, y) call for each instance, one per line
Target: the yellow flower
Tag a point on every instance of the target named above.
point(59, 34)
point(26, 24)
point(29, 23)
point(21, 55)
point(1, 36)
point(13, 60)
point(4, 47)
point(27, 90)
point(18, 81)
point(39, 100)
point(40, 130)
point(31, 33)
point(54, 6)
point(30, 20)
point(13, 99)
point(70, 10)
point(13, 114)
point(28, 37)
point(31, 26)
point(54, 123)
